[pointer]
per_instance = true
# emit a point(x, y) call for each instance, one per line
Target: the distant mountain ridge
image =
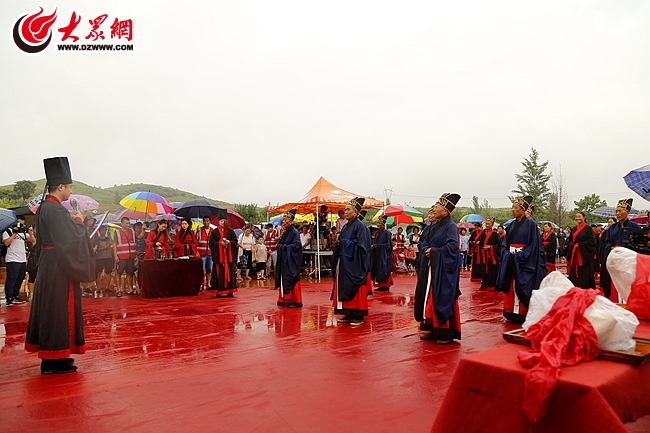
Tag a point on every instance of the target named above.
point(109, 198)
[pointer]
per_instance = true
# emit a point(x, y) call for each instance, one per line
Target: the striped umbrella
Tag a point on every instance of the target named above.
point(147, 203)
point(639, 181)
point(7, 219)
point(472, 218)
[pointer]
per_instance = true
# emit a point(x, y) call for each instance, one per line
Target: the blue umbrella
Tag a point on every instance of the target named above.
point(176, 204)
point(7, 219)
point(472, 218)
point(608, 212)
point(639, 181)
point(277, 221)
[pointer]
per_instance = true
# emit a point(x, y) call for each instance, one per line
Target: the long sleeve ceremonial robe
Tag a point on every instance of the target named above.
point(351, 264)
point(382, 256)
point(66, 258)
point(438, 280)
point(287, 271)
point(527, 266)
point(491, 257)
point(615, 236)
point(153, 237)
point(580, 253)
point(186, 244)
point(224, 261)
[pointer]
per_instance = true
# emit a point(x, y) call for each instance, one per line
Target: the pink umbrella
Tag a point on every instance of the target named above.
point(84, 203)
point(235, 221)
point(465, 225)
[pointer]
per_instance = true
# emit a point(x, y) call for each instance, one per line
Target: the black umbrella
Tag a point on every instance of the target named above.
point(197, 209)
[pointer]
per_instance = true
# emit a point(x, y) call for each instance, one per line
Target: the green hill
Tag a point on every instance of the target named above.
point(109, 198)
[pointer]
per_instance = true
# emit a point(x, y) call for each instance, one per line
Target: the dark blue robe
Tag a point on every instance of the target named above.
point(444, 262)
point(529, 263)
point(351, 259)
point(614, 236)
point(382, 256)
point(288, 260)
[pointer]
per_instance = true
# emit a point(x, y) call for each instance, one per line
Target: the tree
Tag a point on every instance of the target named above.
point(24, 189)
point(589, 203)
point(533, 181)
point(117, 197)
point(557, 207)
point(476, 207)
point(250, 212)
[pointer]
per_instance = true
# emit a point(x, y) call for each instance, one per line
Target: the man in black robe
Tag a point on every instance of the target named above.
point(382, 257)
point(223, 244)
point(287, 270)
point(56, 325)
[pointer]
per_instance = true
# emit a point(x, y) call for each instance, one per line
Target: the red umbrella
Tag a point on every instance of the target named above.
point(641, 218)
point(465, 225)
point(235, 221)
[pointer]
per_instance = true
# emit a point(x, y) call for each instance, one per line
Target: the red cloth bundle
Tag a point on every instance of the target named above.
point(639, 300)
point(562, 337)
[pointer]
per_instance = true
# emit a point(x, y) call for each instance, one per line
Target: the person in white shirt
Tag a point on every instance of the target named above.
point(16, 259)
point(246, 242)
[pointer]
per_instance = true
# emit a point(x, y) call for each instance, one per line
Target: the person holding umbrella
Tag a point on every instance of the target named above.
point(382, 257)
point(436, 294)
point(287, 270)
point(56, 325)
point(223, 245)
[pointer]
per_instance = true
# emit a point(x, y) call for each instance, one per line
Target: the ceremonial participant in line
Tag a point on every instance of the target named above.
point(523, 262)
point(56, 325)
point(287, 270)
point(223, 244)
point(124, 253)
point(581, 250)
point(203, 243)
point(491, 254)
point(382, 257)
point(549, 240)
point(436, 294)
point(158, 241)
point(186, 244)
point(598, 231)
point(351, 266)
point(615, 236)
point(368, 286)
point(501, 231)
point(476, 251)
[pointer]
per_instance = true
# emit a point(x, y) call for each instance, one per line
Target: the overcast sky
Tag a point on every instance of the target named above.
point(253, 101)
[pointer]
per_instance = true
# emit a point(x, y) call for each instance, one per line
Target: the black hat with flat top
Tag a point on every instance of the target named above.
point(57, 171)
point(223, 214)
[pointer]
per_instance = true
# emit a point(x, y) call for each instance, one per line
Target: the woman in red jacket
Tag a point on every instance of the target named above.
point(185, 243)
point(158, 239)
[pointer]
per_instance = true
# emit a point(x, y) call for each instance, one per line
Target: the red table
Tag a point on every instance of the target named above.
point(486, 392)
point(161, 279)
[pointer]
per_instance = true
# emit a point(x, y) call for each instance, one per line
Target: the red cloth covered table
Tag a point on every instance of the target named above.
point(161, 279)
point(486, 392)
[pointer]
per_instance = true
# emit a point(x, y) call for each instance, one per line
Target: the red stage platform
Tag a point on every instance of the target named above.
point(244, 364)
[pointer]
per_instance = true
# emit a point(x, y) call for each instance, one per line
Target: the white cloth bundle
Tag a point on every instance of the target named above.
point(614, 325)
point(621, 264)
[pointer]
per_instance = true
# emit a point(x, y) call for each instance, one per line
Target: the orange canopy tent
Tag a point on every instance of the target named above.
point(324, 193)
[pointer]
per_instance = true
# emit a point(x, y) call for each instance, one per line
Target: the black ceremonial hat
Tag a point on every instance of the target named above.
point(449, 200)
point(362, 214)
point(223, 214)
point(525, 201)
point(625, 204)
point(57, 171)
point(291, 214)
point(357, 203)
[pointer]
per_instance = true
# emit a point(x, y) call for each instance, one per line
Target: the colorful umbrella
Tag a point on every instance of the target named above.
point(400, 209)
point(166, 216)
point(35, 202)
point(400, 214)
point(235, 221)
point(472, 218)
point(639, 181)
point(131, 214)
point(197, 209)
point(146, 202)
point(7, 219)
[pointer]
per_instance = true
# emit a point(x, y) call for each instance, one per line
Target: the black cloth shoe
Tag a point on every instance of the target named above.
point(445, 341)
point(428, 336)
point(345, 318)
point(230, 295)
point(57, 366)
point(17, 300)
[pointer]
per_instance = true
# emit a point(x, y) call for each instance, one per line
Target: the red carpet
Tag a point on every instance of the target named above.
point(244, 365)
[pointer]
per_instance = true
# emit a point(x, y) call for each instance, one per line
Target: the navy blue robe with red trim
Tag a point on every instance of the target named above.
point(288, 260)
point(382, 256)
point(351, 259)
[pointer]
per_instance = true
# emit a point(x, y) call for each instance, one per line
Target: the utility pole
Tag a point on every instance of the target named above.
point(388, 193)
